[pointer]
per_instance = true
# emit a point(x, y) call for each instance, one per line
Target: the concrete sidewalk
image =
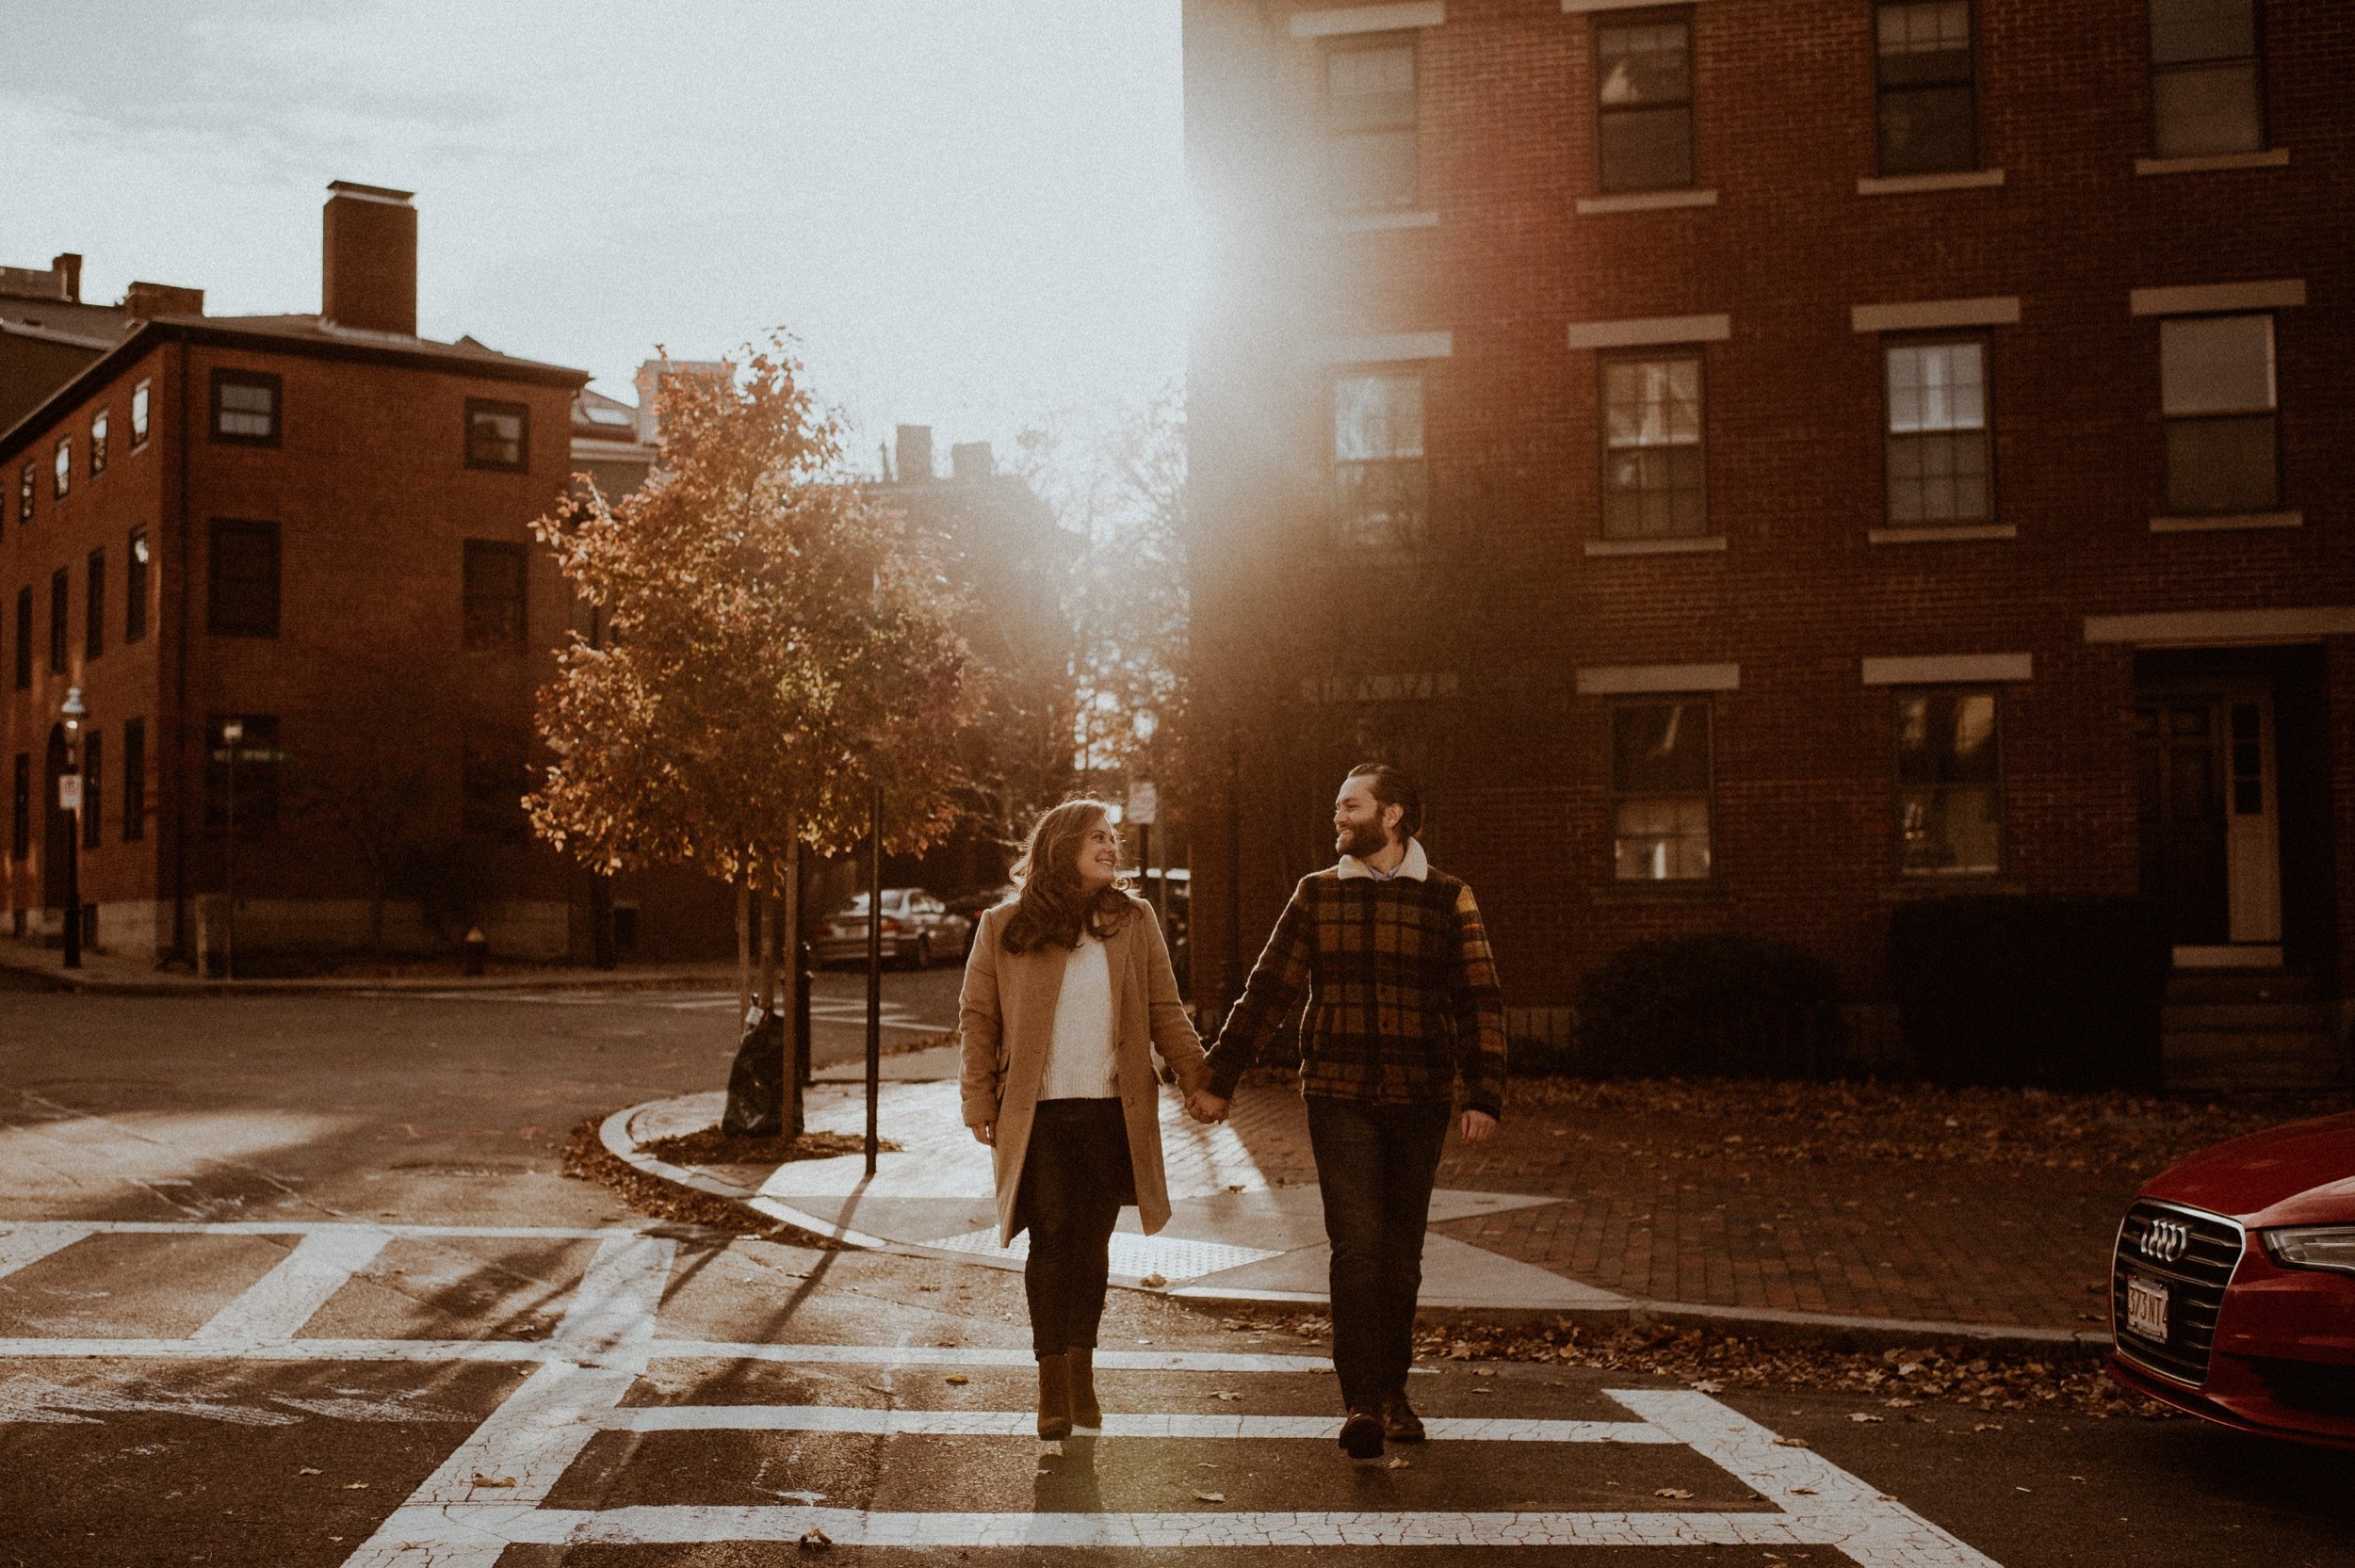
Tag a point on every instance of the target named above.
point(1536, 1222)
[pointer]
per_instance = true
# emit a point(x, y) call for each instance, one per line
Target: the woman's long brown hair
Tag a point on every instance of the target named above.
point(1054, 906)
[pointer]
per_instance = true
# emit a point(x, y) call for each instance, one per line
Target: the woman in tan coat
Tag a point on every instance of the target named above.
point(1067, 993)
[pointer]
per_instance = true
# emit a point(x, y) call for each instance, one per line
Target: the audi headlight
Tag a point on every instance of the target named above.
point(2330, 1247)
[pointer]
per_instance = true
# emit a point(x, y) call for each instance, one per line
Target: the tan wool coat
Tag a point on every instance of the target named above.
point(1006, 1018)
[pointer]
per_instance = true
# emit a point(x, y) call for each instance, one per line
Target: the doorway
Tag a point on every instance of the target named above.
point(2206, 775)
point(56, 824)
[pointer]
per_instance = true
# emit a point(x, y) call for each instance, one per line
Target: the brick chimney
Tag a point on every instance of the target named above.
point(68, 267)
point(146, 302)
point(971, 460)
point(370, 282)
point(915, 462)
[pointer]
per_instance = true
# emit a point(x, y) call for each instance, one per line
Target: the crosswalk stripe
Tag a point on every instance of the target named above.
point(690, 1525)
point(278, 1305)
point(44, 1347)
point(33, 1242)
point(1016, 1423)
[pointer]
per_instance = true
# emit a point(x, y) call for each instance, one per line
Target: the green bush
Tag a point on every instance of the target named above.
point(1720, 1005)
point(2032, 991)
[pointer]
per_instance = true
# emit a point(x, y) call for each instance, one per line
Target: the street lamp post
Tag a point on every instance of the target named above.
point(232, 737)
point(69, 802)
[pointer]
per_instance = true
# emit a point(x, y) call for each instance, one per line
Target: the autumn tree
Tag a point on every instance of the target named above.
point(777, 646)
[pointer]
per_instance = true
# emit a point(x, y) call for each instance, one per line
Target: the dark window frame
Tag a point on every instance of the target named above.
point(2167, 420)
point(1647, 355)
point(134, 770)
point(1883, 91)
point(489, 766)
point(61, 630)
point(1985, 340)
point(2256, 58)
point(135, 577)
point(476, 635)
point(61, 469)
point(224, 376)
point(496, 406)
point(94, 604)
point(1603, 21)
point(1899, 785)
point(1344, 521)
point(142, 410)
point(217, 622)
point(1615, 796)
point(92, 767)
point(1335, 135)
point(20, 809)
point(100, 424)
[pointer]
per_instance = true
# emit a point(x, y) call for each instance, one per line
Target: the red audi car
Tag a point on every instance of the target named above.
point(2232, 1290)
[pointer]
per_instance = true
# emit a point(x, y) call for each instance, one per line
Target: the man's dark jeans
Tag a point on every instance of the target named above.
point(1375, 1165)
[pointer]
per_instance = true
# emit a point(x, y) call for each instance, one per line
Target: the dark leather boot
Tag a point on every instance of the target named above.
point(1085, 1411)
point(1054, 1398)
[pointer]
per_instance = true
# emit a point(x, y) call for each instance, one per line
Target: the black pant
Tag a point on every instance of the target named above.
point(1375, 1165)
point(1075, 1177)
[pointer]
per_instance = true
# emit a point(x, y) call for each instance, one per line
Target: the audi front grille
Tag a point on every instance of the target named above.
point(2195, 1254)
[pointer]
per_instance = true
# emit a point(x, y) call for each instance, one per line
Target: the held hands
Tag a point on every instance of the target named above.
point(1206, 1108)
point(1478, 1124)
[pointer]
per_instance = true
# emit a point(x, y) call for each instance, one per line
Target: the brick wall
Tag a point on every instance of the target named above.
point(1804, 841)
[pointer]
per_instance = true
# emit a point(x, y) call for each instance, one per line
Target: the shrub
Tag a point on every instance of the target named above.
point(1719, 1005)
point(2040, 992)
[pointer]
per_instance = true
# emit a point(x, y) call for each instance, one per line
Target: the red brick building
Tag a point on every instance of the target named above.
point(314, 527)
point(1764, 461)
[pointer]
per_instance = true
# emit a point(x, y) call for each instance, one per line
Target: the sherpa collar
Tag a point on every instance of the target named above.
point(1415, 868)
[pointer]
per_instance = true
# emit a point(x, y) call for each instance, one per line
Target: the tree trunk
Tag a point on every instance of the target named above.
point(766, 986)
point(743, 946)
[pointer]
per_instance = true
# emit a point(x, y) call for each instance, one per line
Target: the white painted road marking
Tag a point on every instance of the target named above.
point(1022, 1423)
point(278, 1305)
point(588, 1364)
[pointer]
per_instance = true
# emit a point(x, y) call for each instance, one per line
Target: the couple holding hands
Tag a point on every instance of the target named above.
point(1068, 991)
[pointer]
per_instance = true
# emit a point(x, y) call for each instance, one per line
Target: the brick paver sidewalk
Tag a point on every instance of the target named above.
point(1669, 1207)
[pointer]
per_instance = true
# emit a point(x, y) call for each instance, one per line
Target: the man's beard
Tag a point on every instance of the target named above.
point(1361, 841)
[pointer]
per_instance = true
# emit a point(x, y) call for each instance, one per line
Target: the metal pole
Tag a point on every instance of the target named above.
point(233, 733)
point(874, 969)
point(74, 868)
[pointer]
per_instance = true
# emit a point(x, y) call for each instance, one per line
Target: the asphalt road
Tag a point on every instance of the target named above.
point(296, 1281)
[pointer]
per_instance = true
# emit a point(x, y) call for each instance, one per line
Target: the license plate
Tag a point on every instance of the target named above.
point(2145, 1308)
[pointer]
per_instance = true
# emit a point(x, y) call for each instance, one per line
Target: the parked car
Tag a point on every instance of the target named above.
point(2233, 1287)
point(917, 930)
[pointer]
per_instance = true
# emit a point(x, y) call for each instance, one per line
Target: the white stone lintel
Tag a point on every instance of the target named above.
point(1611, 680)
point(1992, 310)
point(1338, 21)
point(1636, 331)
point(2198, 298)
point(1948, 668)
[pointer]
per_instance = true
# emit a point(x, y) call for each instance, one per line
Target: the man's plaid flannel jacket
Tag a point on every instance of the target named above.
point(1401, 987)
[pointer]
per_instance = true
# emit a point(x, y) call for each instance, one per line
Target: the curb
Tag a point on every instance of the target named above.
point(1831, 1330)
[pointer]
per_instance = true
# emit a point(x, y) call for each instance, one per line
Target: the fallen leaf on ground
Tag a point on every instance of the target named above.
point(355, 1486)
point(1708, 1385)
point(1152, 1282)
point(815, 1539)
point(958, 1378)
point(308, 1470)
point(1677, 1492)
point(1399, 1463)
point(1228, 1395)
point(1791, 1442)
point(1209, 1496)
point(1803, 1491)
point(482, 1480)
point(1861, 1417)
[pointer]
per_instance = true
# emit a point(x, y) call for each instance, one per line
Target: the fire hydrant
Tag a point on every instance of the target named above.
point(478, 950)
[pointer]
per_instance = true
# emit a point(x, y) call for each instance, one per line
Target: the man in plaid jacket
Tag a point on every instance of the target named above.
point(1401, 1002)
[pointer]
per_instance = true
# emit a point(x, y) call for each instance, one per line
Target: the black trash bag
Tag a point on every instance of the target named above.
point(756, 1081)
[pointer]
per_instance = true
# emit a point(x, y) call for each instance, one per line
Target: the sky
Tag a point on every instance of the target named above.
point(971, 213)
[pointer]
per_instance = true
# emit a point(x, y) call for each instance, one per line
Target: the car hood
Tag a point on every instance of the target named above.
point(2302, 1172)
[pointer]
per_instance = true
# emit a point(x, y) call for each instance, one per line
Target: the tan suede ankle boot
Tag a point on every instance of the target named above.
point(1054, 1398)
point(1085, 1412)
